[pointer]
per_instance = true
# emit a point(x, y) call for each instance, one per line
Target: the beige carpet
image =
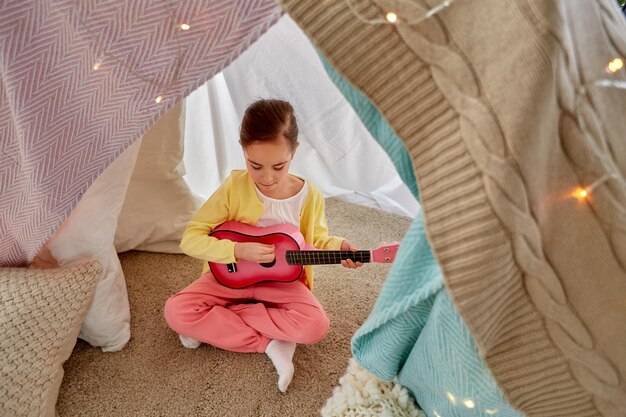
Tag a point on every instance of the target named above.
point(155, 376)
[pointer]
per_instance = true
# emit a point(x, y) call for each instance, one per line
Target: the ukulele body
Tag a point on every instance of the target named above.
point(244, 273)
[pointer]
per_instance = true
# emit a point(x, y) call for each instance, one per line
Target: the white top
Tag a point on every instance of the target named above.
point(282, 211)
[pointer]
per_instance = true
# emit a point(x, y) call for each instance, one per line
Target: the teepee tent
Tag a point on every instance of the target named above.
point(509, 284)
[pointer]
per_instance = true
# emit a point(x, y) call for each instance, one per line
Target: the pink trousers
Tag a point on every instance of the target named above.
point(246, 319)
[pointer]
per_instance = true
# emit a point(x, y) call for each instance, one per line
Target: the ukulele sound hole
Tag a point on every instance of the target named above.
point(269, 264)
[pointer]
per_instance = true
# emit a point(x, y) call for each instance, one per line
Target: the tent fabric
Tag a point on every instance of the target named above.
point(486, 97)
point(62, 121)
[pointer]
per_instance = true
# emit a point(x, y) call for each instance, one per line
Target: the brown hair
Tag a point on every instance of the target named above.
point(267, 120)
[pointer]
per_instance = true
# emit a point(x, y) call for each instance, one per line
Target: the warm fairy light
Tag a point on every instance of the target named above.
point(491, 411)
point(436, 413)
point(581, 193)
point(102, 53)
point(469, 403)
point(615, 65)
point(391, 17)
point(451, 397)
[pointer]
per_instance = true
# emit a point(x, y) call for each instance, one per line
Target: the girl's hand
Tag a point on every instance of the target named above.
point(255, 252)
point(349, 263)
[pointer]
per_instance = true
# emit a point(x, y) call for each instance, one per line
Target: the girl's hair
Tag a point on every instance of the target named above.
point(267, 120)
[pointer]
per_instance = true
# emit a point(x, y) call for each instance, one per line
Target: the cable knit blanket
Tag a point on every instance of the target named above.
point(82, 80)
point(520, 158)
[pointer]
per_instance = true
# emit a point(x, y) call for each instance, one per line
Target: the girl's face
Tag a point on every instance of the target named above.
point(268, 163)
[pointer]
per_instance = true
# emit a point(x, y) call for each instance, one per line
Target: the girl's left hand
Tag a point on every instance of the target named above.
point(349, 263)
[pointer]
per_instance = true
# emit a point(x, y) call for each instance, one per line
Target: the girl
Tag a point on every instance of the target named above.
point(270, 317)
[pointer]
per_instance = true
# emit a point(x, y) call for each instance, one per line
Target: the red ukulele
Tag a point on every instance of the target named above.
point(289, 256)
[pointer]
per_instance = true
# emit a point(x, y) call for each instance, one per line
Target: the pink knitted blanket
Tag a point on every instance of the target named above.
point(82, 80)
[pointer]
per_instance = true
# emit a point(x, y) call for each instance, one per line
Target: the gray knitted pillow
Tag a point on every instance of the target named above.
point(41, 312)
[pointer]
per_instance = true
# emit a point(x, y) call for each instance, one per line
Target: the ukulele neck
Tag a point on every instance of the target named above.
point(325, 257)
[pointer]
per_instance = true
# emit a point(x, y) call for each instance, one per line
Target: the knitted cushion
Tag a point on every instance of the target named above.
point(41, 312)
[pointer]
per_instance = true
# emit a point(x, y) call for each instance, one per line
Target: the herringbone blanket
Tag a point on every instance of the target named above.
point(82, 80)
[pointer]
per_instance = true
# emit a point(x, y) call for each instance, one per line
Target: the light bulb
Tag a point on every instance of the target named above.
point(615, 65)
point(391, 17)
point(185, 26)
point(581, 193)
point(159, 99)
point(468, 403)
point(96, 66)
point(491, 411)
point(451, 397)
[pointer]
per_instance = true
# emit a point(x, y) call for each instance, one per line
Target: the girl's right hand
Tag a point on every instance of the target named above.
point(255, 252)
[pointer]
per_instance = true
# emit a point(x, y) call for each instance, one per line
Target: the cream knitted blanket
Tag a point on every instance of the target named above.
point(487, 96)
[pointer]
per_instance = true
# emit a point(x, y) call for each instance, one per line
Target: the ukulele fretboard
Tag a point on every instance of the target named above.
point(325, 257)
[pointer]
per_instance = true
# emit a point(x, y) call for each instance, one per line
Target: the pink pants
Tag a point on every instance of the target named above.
point(245, 320)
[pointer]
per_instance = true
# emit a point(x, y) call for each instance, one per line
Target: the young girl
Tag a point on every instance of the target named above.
point(270, 317)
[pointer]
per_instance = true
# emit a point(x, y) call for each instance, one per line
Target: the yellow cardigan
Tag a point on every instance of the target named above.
point(236, 199)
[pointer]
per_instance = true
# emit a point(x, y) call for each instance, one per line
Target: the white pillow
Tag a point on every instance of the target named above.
point(88, 234)
point(158, 202)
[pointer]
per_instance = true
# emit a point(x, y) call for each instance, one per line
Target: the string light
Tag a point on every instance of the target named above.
point(393, 18)
point(584, 193)
point(436, 413)
point(581, 193)
point(615, 65)
point(163, 87)
point(491, 411)
point(469, 403)
point(451, 397)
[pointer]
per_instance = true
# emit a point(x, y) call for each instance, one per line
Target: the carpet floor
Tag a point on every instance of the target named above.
point(154, 375)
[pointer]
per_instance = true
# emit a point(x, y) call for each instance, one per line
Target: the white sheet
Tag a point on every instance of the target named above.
point(336, 151)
